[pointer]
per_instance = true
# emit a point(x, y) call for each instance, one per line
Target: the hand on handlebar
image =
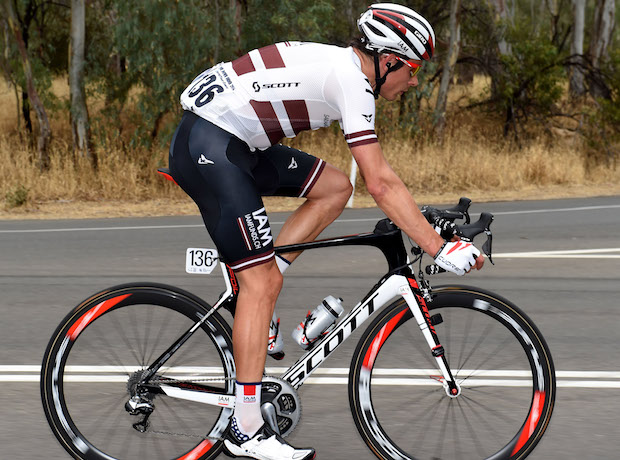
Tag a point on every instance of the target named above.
point(459, 257)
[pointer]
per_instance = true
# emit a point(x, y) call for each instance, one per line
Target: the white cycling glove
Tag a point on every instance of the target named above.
point(457, 257)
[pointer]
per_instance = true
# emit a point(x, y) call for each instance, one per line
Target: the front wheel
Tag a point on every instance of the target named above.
point(499, 360)
point(93, 374)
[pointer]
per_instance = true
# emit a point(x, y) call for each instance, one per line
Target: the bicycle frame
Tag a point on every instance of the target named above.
point(398, 282)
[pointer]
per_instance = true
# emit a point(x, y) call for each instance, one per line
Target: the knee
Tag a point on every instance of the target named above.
point(340, 190)
point(345, 188)
point(267, 285)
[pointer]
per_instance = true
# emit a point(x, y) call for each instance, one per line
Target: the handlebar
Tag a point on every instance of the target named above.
point(444, 222)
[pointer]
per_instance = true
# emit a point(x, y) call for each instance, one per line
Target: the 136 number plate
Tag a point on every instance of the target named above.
point(200, 260)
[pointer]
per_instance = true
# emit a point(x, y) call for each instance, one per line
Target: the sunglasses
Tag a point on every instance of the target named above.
point(414, 67)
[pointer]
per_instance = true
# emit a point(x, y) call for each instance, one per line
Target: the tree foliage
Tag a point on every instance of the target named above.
point(149, 50)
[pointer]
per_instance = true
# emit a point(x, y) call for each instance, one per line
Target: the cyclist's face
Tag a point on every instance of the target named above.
point(399, 81)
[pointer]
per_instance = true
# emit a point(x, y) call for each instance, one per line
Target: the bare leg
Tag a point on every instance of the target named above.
point(258, 290)
point(323, 205)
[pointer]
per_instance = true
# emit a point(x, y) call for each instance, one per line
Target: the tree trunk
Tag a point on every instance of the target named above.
point(6, 68)
point(237, 7)
point(80, 128)
point(602, 30)
point(45, 133)
point(602, 34)
point(448, 66)
point(505, 15)
point(576, 49)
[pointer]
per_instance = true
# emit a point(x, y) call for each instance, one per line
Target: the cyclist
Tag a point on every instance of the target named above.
point(225, 155)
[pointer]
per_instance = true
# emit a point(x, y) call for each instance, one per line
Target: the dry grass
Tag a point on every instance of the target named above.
point(470, 161)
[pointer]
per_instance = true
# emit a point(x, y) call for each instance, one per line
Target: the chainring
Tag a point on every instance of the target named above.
point(280, 400)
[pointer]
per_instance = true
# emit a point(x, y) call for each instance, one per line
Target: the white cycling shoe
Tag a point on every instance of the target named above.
point(265, 445)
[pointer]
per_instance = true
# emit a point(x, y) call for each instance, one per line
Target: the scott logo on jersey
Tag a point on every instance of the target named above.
point(257, 87)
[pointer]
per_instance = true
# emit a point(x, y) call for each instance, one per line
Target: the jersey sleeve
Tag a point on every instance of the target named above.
point(356, 102)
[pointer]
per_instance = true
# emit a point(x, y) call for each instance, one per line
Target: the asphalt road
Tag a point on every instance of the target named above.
point(558, 260)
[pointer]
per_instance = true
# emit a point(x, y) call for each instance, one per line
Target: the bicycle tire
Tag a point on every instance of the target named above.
point(98, 351)
point(496, 354)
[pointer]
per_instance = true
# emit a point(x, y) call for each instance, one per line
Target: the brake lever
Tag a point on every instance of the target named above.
point(486, 247)
point(462, 208)
point(482, 225)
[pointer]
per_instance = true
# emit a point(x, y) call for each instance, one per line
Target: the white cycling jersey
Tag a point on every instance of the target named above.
point(282, 89)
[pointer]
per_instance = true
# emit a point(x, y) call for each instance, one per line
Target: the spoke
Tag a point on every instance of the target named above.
point(492, 411)
point(483, 336)
point(470, 428)
point(442, 431)
point(413, 338)
point(165, 323)
point(466, 334)
point(125, 338)
point(104, 353)
point(434, 408)
point(135, 332)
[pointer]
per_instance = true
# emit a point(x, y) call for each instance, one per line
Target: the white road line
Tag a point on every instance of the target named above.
point(601, 253)
point(537, 211)
point(330, 376)
point(166, 227)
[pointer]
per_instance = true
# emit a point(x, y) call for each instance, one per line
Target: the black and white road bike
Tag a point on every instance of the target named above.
point(146, 370)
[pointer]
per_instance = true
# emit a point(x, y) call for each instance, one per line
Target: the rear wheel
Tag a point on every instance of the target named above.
point(95, 361)
point(498, 358)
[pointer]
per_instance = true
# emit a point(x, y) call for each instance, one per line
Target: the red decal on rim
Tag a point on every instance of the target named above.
point(532, 421)
point(92, 314)
point(380, 338)
point(198, 451)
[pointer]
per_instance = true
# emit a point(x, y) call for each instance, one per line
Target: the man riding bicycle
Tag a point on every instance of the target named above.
point(225, 155)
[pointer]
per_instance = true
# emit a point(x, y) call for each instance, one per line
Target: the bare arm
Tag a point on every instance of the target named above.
point(391, 195)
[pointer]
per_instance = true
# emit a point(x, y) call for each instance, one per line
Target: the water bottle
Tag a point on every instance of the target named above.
point(319, 321)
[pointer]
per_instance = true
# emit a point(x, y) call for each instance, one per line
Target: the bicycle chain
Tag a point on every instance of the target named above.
point(204, 379)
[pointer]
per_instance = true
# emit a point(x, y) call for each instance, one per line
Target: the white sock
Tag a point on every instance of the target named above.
point(247, 408)
point(283, 264)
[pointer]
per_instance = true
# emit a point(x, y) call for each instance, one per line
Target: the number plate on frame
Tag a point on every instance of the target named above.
point(200, 260)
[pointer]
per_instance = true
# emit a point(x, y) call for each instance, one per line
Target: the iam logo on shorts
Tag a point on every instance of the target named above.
point(255, 229)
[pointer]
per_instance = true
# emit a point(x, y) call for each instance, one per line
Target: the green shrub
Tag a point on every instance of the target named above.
point(16, 197)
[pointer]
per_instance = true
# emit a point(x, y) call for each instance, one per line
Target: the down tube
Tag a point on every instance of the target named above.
point(394, 286)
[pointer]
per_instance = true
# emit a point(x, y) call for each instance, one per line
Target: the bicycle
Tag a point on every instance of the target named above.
point(485, 390)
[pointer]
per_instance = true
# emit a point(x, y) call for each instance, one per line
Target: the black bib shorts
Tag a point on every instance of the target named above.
point(227, 180)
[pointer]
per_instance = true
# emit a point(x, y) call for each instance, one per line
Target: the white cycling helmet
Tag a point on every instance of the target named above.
point(391, 28)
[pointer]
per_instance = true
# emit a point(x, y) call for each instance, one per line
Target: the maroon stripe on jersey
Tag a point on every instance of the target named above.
point(243, 65)
point(269, 120)
point(297, 112)
point(271, 57)
point(368, 132)
point(364, 142)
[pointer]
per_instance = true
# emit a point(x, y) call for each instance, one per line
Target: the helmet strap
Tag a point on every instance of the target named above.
point(379, 81)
